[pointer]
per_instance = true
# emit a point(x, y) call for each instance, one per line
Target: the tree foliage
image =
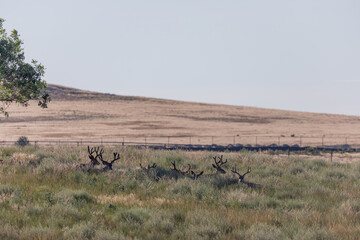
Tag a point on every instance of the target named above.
point(22, 141)
point(20, 82)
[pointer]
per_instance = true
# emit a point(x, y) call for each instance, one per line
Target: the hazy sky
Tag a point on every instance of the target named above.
point(297, 55)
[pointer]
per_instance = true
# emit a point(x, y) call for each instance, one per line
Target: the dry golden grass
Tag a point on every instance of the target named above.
point(75, 114)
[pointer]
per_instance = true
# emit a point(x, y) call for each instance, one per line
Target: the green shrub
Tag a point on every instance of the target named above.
point(107, 235)
point(182, 187)
point(35, 211)
point(6, 189)
point(8, 231)
point(75, 197)
point(179, 218)
point(296, 170)
point(9, 151)
point(134, 215)
point(81, 231)
point(264, 232)
point(272, 203)
point(22, 141)
point(314, 234)
point(336, 174)
point(39, 232)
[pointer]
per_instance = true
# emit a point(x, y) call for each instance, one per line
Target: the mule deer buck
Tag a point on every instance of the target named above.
point(94, 154)
point(150, 173)
point(174, 168)
point(108, 165)
point(98, 152)
point(241, 176)
point(196, 176)
point(187, 172)
point(147, 169)
point(218, 164)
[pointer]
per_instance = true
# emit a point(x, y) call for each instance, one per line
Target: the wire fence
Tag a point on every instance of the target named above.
point(302, 141)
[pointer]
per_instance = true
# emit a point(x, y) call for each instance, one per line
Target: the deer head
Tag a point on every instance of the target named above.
point(108, 165)
point(241, 176)
point(218, 164)
point(174, 168)
point(196, 176)
point(93, 158)
point(148, 167)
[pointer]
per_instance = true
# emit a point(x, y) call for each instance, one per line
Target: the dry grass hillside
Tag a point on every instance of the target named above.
point(76, 114)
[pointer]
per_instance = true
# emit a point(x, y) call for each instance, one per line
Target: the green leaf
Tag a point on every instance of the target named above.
point(20, 82)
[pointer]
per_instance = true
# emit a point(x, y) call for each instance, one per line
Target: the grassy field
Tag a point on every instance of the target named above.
point(81, 115)
point(45, 195)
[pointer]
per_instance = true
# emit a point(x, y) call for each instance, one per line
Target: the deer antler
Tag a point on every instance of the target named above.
point(108, 165)
point(241, 176)
point(97, 151)
point(174, 168)
point(196, 176)
point(147, 171)
point(116, 157)
point(148, 167)
point(188, 170)
point(218, 164)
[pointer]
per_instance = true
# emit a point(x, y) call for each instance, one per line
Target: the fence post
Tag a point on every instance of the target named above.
point(80, 141)
point(279, 141)
point(123, 142)
point(331, 156)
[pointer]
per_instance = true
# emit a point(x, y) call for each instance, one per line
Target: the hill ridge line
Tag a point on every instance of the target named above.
point(65, 93)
